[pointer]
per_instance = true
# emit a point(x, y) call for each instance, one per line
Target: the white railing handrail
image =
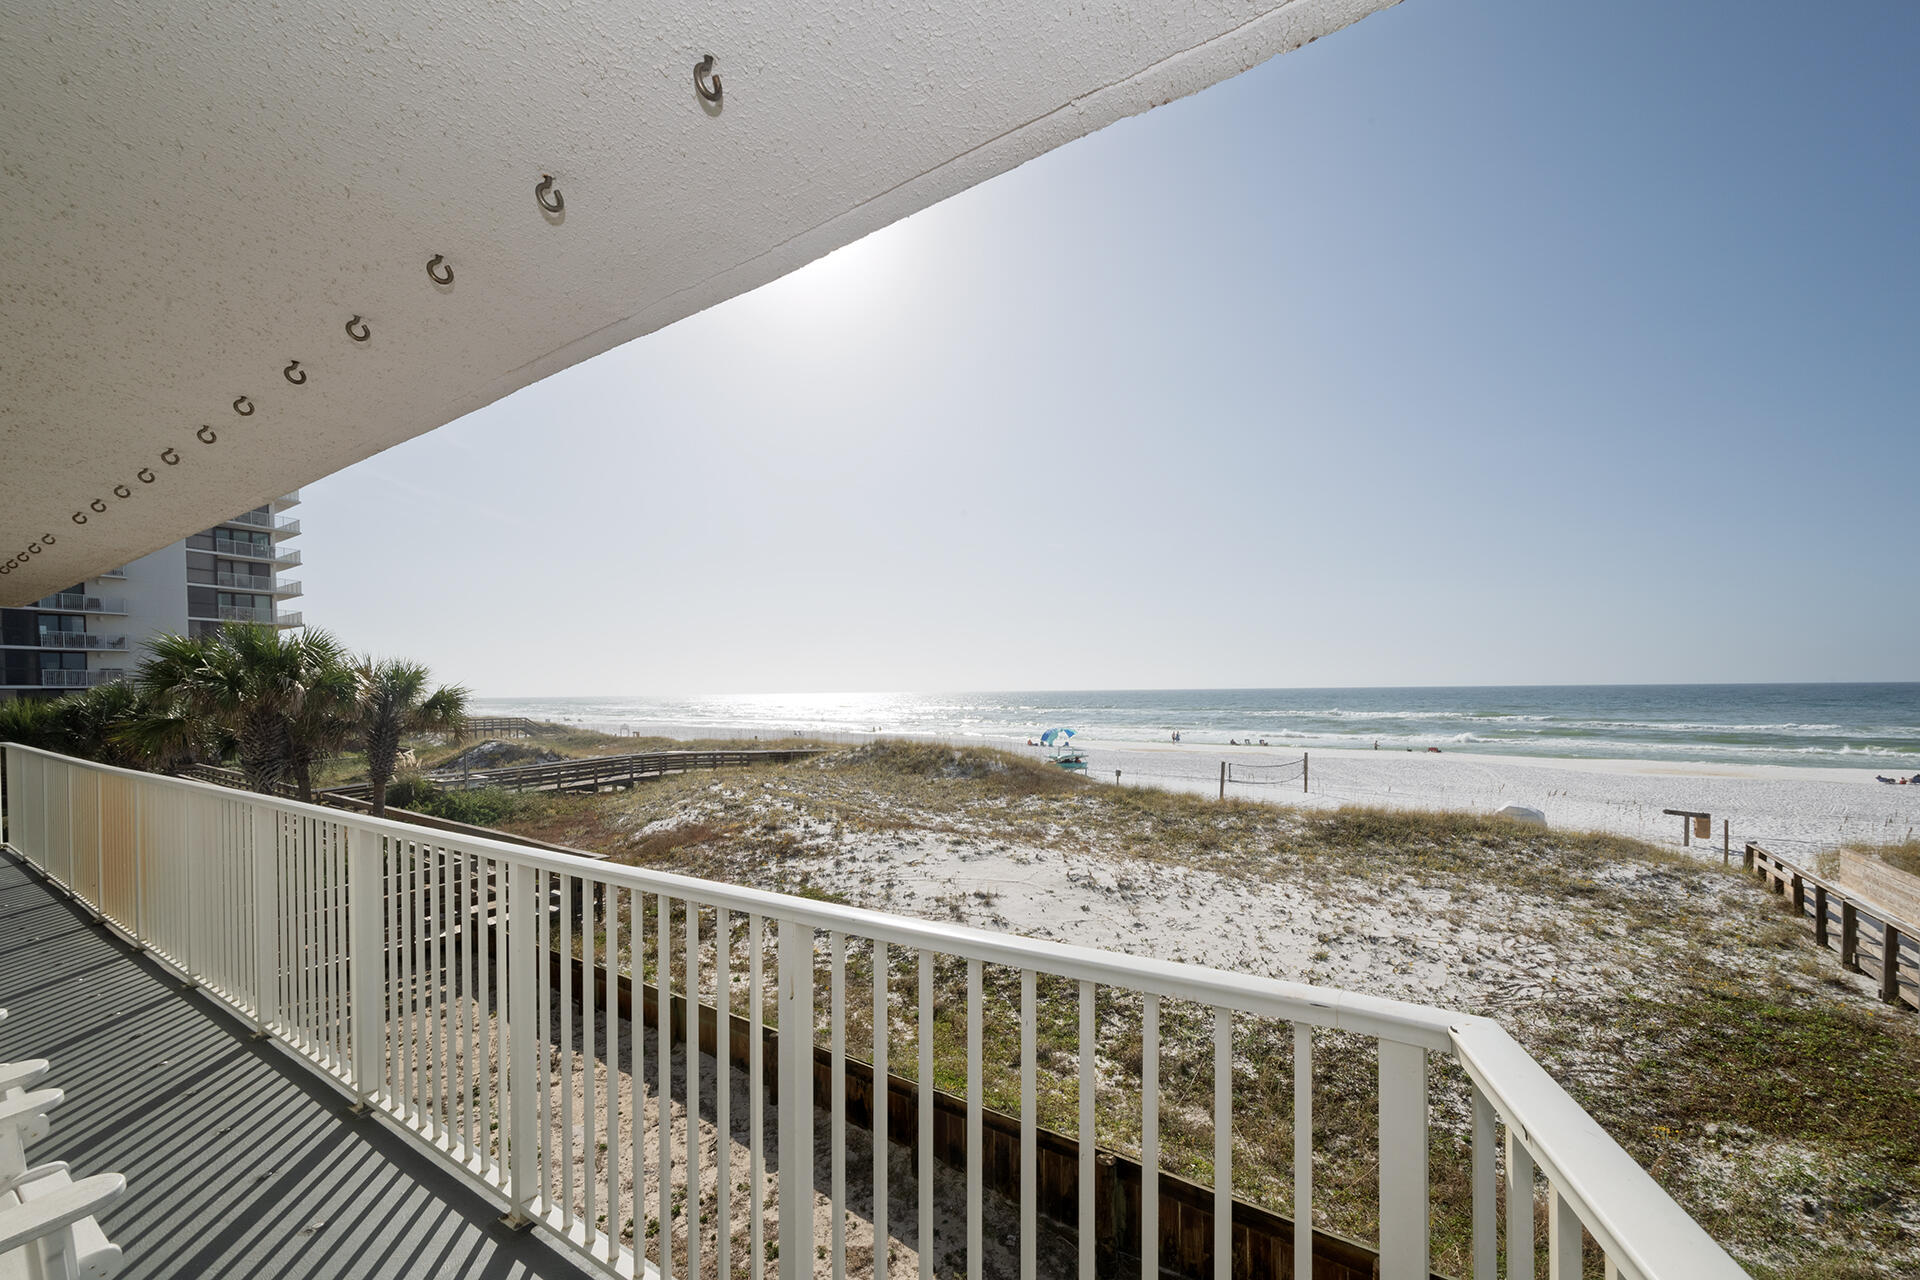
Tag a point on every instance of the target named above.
point(1591, 1181)
point(1631, 1218)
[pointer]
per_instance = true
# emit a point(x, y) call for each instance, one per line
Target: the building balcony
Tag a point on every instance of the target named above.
point(71, 602)
point(282, 526)
point(242, 613)
point(286, 557)
point(289, 620)
point(244, 581)
point(252, 551)
point(81, 679)
point(285, 500)
point(80, 640)
point(119, 575)
point(286, 590)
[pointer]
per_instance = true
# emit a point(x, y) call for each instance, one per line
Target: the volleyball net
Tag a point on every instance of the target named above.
point(1264, 775)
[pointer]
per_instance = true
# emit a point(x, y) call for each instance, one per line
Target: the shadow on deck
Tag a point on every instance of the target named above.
point(240, 1164)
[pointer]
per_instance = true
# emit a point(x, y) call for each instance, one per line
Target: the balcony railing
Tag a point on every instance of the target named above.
point(242, 613)
point(71, 602)
point(81, 679)
point(286, 557)
point(287, 590)
point(262, 520)
point(290, 620)
point(80, 640)
point(383, 953)
point(243, 581)
point(119, 573)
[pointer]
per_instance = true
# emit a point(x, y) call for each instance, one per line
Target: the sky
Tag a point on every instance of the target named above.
point(1483, 342)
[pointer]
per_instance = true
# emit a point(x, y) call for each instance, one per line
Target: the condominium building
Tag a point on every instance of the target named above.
point(96, 631)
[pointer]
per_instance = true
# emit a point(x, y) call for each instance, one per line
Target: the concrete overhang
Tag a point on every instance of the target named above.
point(197, 196)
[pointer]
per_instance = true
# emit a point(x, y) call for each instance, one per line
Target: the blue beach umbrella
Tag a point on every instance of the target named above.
point(1052, 736)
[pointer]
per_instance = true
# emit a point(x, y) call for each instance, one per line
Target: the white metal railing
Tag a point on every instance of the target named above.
point(428, 973)
point(74, 602)
point(120, 572)
point(263, 520)
point(81, 679)
point(243, 581)
point(244, 613)
point(80, 640)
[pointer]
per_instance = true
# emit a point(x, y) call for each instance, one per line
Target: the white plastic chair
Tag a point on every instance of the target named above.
point(23, 1119)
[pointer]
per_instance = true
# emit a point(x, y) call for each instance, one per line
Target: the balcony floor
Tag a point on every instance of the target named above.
point(240, 1164)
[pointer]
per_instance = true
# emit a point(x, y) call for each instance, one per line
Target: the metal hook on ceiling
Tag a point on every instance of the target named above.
point(207, 435)
point(243, 406)
point(294, 373)
point(121, 491)
point(363, 334)
point(702, 71)
point(97, 505)
point(435, 261)
point(170, 456)
point(545, 187)
point(145, 475)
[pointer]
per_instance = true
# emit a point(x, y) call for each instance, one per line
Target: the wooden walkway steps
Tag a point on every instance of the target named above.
point(1871, 939)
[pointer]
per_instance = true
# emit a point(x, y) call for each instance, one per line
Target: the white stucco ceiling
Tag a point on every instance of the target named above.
point(197, 194)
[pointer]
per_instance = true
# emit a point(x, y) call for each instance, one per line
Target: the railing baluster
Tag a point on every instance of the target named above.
point(1029, 1122)
point(266, 930)
point(837, 1197)
point(1223, 1144)
point(974, 1133)
point(882, 1029)
point(1486, 1247)
point(569, 885)
point(612, 953)
point(517, 963)
point(390, 913)
point(1302, 1149)
point(543, 1019)
point(1564, 1251)
point(1084, 1221)
point(637, 1071)
point(416, 984)
point(364, 906)
point(436, 975)
point(1520, 1259)
point(923, 1177)
point(722, 1092)
point(795, 1100)
point(756, 1103)
point(486, 1014)
point(1149, 1138)
point(469, 895)
point(589, 1181)
point(692, 928)
point(1403, 1161)
point(663, 987)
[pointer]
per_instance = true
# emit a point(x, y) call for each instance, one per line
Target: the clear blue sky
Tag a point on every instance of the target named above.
point(1482, 342)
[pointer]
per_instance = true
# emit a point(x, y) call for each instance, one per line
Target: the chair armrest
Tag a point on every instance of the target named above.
point(19, 1075)
point(55, 1210)
point(20, 1110)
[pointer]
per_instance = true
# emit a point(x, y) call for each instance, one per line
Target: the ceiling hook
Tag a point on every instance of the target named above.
point(122, 491)
point(79, 518)
point(243, 406)
point(97, 505)
point(294, 373)
point(435, 261)
point(362, 333)
point(170, 456)
point(702, 70)
point(145, 475)
point(207, 434)
point(541, 191)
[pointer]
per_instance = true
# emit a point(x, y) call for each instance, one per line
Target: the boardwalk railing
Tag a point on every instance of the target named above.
point(1871, 939)
point(500, 727)
point(405, 965)
point(594, 773)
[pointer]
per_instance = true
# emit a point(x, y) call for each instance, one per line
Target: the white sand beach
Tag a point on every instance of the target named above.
point(1796, 808)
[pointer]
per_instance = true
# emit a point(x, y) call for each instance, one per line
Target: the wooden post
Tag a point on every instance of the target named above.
point(1849, 936)
point(1746, 859)
point(1799, 895)
point(1223, 779)
point(1304, 766)
point(1726, 841)
point(1889, 963)
point(1686, 833)
point(1820, 914)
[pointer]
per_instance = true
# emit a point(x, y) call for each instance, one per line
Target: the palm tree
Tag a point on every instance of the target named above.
point(394, 702)
point(285, 698)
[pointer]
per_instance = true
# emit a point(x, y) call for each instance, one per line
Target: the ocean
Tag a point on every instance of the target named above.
point(1869, 726)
